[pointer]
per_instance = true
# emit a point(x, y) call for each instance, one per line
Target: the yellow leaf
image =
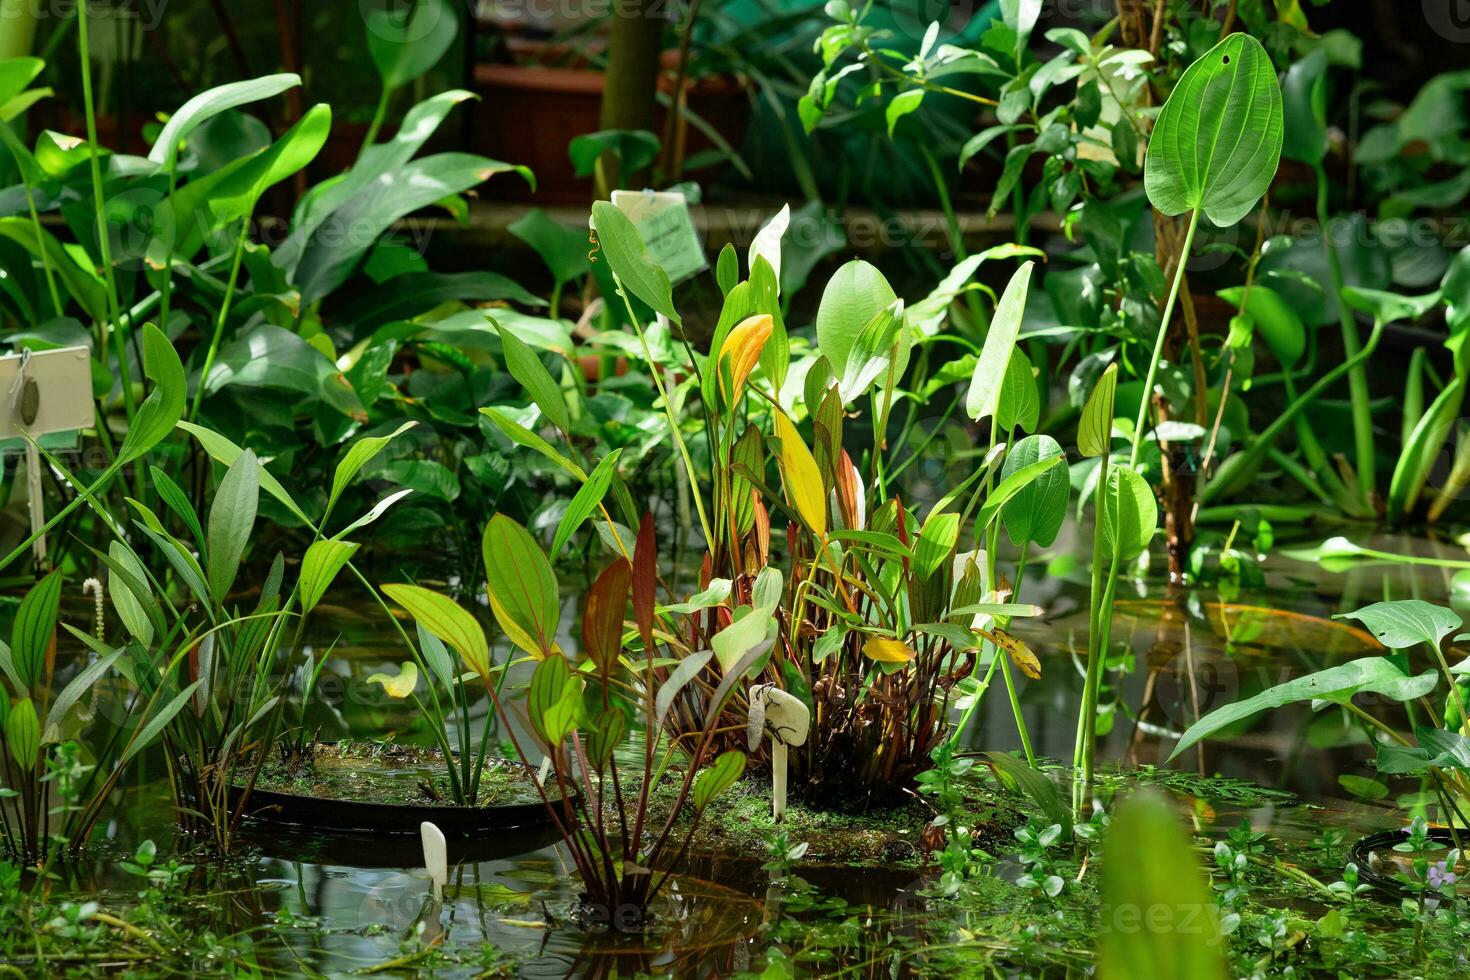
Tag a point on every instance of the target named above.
point(742, 347)
point(1018, 651)
point(803, 479)
point(402, 685)
point(888, 651)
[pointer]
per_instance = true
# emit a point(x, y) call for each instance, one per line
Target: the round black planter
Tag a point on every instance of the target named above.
point(1385, 886)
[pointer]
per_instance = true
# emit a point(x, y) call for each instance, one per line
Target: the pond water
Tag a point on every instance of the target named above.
point(300, 903)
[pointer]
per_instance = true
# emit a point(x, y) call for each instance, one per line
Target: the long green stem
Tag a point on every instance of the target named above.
point(1268, 435)
point(1358, 376)
point(104, 245)
point(1153, 364)
point(224, 312)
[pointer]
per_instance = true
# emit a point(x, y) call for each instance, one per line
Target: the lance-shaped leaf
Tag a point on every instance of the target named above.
point(357, 456)
point(586, 500)
point(1217, 141)
point(23, 734)
point(231, 521)
point(1005, 326)
point(208, 104)
point(446, 619)
point(319, 567)
point(719, 776)
point(802, 477)
point(1095, 430)
point(164, 406)
point(602, 624)
point(740, 353)
point(1161, 920)
point(522, 586)
point(523, 364)
point(645, 580)
point(627, 256)
point(34, 631)
point(886, 650)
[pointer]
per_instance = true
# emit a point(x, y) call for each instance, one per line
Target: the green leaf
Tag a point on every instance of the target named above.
point(634, 148)
point(717, 777)
point(158, 722)
point(231, 521)
point(1038, 510)
point(1368, 675)
point(1277, 323)
point(223, 451)
point(526, 367)
point(856, 293)
point(752, 632)
point(563, 249)
point(359, 455)
point(208, 104)
point(164, 406)
point(131, 606)
point(679, 678)
point(405, 41)
point(83, 285)
point(521, 585)
point(32, 633)
point(549, 687)
point(1406, 622)
point(79, 685)
point(447, 620)
point(1130, 513)
point(1020, 404)
point(1000, 343)
point(1217, 141)
point(588, 497)
point(1010, 486)
point(607, 732)
point(1363, 786)
point(1304, 98)
point(23, 734)
point(336, 247)
point(618, 240)
point(1095, 429)
point(1042, 791)
point(275, 358)
point(319, 567)
point(1160, 915)
point(901, 105)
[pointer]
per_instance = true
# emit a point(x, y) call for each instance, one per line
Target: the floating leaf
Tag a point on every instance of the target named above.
point(400, 686)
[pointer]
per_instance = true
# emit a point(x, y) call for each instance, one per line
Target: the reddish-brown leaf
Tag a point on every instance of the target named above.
point(607, 602)
point(645, 580)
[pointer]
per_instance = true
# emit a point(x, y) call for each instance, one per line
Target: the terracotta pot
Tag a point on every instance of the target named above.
point(528, 113)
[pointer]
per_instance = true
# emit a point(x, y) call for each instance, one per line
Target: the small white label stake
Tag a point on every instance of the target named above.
point(436, 857)
point(786, 719)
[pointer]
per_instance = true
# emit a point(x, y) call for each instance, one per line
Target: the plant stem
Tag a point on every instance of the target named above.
point(224, 312)
point(1153, 364)
point(1358, 377)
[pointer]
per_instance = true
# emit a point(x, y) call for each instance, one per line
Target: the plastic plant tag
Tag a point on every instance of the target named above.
point(667, 229)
